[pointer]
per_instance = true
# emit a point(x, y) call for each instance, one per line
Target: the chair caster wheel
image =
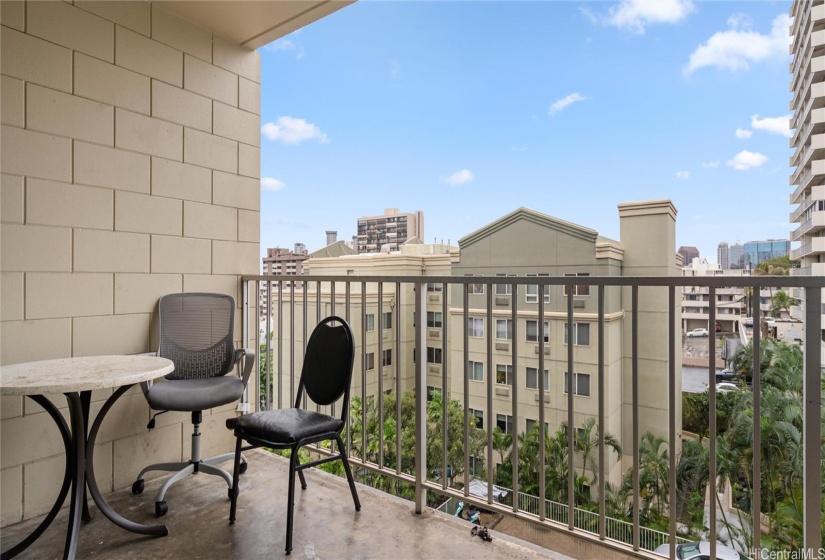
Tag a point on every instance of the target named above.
point(242, 468)
point(161, 508)
point(137, 487)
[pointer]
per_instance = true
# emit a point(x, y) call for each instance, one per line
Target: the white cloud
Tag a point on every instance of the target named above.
point(776, 125)
point(683, 175)
point(743, 133)
point(745, 160)
point(635, 15)
point(286, 45)
point(740, 21)
point(737, 48)
point(710, 164)
point(460, 177)
point(271, 184)
point(289, 130)
point(565, 102)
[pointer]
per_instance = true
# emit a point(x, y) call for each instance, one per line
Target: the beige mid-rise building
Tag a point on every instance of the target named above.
point(389, 231)
point(808, 142)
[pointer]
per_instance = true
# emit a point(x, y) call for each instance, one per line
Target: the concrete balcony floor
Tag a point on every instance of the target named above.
point(326, 524)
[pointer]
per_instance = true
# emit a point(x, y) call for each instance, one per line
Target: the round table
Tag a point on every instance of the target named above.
point(76, 378)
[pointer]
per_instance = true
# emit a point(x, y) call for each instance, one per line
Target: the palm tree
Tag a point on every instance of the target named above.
point(781, 301)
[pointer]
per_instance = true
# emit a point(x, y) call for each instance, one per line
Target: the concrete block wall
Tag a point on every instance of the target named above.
point(130, 168)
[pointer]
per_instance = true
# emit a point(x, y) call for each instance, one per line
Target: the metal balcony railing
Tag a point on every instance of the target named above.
point(403, 314)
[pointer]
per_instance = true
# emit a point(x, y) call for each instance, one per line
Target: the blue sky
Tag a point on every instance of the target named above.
point(468, 110)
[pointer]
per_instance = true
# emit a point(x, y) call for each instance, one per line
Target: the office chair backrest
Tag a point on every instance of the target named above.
point(196, 334)
point(327, 371)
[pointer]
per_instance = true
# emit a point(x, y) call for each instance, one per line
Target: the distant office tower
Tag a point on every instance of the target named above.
point(760, 251)
point(808, 180)
point(688, 254)
point(388, 232)
point(332, 237)
point(736, 256)
point(723, 256)
point(300, 248)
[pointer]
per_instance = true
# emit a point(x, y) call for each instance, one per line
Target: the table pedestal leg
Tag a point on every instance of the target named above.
point(86, 401)
point(105, 509)
point(47, 405)
point(79, 470)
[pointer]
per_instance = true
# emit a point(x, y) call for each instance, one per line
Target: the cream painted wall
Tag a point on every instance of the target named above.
point(130, 169)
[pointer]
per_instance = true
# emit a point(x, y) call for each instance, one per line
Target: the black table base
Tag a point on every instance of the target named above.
point(80, 449)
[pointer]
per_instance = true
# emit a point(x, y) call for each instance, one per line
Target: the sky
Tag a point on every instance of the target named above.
point(468, 110)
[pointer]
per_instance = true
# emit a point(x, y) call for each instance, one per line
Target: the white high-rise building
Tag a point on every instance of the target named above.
point(808, 140)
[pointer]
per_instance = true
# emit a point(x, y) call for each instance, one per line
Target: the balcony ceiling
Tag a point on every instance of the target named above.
point(253, 24)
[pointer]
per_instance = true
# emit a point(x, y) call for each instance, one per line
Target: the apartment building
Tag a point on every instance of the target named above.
point(389, 231)
point(731, 303)
point(688, 254)
point(279, 260)
point(808, 141)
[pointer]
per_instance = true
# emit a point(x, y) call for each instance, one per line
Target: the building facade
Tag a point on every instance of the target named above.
point(808, 142)
point(757, 252)
point(389, 231)
point(723, 255)
point(688, 254)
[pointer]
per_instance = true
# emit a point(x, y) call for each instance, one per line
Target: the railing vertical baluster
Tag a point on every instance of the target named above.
point(348, 319)
point(245, 330)
point(398, 378)
point(572, 390)
point(812, 430)
point(280, 343)
point(672, 388)
point(364, 372)
point(420, 396)
point(332, 312)
point(514, 389)
point(445, 395)
point(634, 357)
point(268, 345)
point(319, 300)
point(711, 420)
point(257, 346)
point(756, 504)
point(542, 417)
point(291, 344)
point(490, 327)
point(466, 342)
point(602, 508)
point(379, 369)
point(305, 320)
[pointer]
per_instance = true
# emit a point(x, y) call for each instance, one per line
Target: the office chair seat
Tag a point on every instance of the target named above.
point(195, 394)
point(285, 425)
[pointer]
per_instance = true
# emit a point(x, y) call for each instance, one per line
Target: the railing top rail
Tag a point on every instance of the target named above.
point(660, 281)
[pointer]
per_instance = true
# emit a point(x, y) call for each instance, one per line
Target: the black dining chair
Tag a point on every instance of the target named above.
point(325, 377)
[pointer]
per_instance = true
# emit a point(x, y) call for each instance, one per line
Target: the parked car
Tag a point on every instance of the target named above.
point(726, 386)
point(695, 333)
point(700, 550)
point(726, 374)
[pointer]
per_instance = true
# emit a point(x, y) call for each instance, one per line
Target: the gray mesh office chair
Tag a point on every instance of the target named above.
point(196, 332)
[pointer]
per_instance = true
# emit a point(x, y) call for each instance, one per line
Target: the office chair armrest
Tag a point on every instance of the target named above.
point(248, 357)
point(144, 385)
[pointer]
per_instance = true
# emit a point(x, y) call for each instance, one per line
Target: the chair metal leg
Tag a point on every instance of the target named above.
point(293, 462)
point(349, 473)
point(236, 473)
point(218, 459)
point(183, 473)
point(303, 480)
point(167, 467)
point(211, 469)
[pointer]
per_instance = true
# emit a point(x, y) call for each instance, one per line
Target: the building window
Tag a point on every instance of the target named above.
point(434, 319)
point(386, 320)
point(504, 289)
point(475, 288)
point(387, 358)
point(505, 423)
point(579, 289)
point(370, 361)
point(475, 327)
point(533, 378)
point(478, 415)
point(532, 291)
point(370, 322)
point(432, 392)
point(433, 355)
point(504, 329)
point(532, 331)
point(582, 384)
point(433, 287)
point(476, 370)
point(581, 334)
point(504, 374)
point(476, 465)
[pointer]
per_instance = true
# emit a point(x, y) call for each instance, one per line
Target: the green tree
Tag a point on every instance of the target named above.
point(781, 301)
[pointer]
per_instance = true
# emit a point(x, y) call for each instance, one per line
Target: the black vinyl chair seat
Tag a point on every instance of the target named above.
point(286, 425)
point(195, 394)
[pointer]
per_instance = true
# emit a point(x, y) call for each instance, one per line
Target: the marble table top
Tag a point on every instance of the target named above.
point(68, 375)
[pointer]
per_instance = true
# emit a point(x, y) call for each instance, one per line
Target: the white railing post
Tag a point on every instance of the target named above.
point(419, 325)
